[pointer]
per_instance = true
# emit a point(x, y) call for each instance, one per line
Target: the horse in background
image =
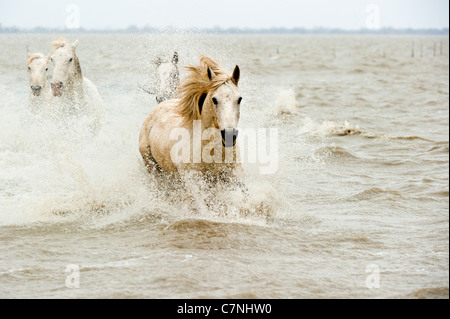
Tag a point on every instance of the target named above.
point(207, 104)
point(37, 66)
point(168, 78)
point(72, 93)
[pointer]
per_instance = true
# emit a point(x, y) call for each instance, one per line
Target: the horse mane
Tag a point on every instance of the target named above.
point(196, 84)
point(34, 56)
point(59, 42)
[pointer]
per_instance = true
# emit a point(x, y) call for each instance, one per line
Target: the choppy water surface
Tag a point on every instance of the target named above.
point(362, 180)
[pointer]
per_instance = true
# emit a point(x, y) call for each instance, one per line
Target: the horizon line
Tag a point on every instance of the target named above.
point(231, 30)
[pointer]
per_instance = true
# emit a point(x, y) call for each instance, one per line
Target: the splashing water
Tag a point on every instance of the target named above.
point(286, 103)
point(362, 177)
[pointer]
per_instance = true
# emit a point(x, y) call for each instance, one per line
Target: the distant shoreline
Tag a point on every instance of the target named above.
point(218, 31)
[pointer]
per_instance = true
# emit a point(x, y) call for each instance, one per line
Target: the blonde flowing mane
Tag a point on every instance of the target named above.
point(197, 83)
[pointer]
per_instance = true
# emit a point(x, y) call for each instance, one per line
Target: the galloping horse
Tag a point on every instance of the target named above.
point(206, 114)
point(73, 94)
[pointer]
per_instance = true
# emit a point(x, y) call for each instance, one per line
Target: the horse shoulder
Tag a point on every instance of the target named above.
point(93, 96)
point(90, 88)
point(144, 143)
point(144, 135)
point(155, 136)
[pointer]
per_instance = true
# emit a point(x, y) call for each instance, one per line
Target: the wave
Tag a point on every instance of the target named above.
point(440, 147)
point(412, 137)
point(430, 293)
point(211, 228)
point(213, 234)
point(286, 102)
point(374, 192)
point(335, 152)
point(358, 71)
point(389, 137)
point(328, 128)
point(310, 126)
point(444, 193)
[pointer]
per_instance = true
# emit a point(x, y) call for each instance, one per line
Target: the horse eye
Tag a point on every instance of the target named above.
point(70, 59)
point(239, 100)
point(214, 100)
point(29, 68)
point(46, 69)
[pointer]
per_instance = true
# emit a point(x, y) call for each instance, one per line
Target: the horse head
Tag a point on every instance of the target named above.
point(66, 67)
point(224, 104)
point(37, 68)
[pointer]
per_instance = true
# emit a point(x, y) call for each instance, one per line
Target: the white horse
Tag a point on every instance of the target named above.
point(168, 78)
point(40, 95)
point(72, 93)
point(207, 94)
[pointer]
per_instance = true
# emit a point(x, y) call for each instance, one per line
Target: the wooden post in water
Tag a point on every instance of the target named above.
point(412, 49)
point(434, 49)
point(442, 49)
point(421, 50)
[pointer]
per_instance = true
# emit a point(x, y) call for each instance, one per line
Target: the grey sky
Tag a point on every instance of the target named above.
point(345, 14)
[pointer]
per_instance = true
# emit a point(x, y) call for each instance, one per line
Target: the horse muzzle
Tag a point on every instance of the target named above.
point(57, 88)
point(229, 136)
point(36, 90)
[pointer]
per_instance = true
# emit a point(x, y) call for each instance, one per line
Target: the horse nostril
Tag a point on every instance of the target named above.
point(57, 88)
point(36, 87)
point(229, 136)
point(57, 85)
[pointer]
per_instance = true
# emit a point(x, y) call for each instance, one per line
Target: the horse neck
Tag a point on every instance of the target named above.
point(208, 116)
point(208, 123)
point(75, 86)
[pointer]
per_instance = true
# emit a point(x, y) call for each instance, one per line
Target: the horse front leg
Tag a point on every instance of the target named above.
point(149, 161)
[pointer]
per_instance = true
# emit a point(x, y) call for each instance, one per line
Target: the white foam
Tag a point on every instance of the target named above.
point(328, 128)
point(286, 102)
point(55, 174)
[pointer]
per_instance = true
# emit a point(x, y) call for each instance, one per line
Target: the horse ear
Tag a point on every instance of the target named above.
point(75, 44)
point(235, 76)
point(211, 74)
point(175, 58)
point(28, 52)
point(201, 101)
point(48, 57)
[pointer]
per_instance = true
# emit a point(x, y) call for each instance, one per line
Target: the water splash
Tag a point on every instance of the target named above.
point(286, 102)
